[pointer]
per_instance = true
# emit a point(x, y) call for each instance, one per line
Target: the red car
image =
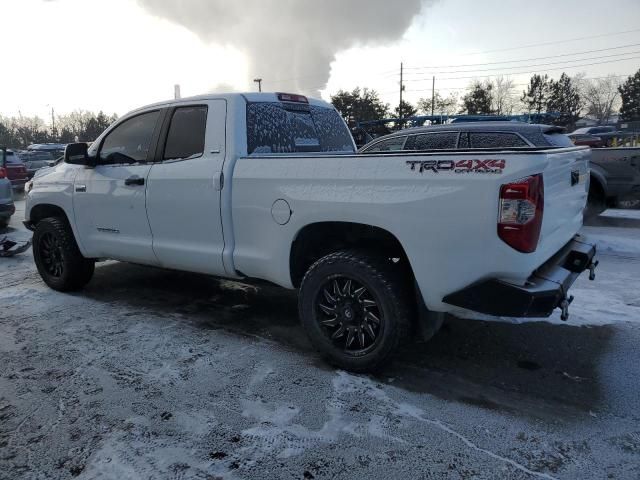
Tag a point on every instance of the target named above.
point(584, 139)
point(16, 171)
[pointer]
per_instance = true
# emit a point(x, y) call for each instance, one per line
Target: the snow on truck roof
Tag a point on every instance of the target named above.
point(250, 97)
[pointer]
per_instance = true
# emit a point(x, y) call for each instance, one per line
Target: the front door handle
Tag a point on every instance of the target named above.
point(134, 181)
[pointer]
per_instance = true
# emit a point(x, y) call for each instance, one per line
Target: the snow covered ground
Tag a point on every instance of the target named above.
point(158, 374)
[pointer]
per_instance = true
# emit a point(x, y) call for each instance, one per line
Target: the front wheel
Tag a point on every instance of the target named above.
point(57, 257)
point(356, 309)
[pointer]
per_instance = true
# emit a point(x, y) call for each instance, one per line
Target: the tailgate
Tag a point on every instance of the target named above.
point(566, 187)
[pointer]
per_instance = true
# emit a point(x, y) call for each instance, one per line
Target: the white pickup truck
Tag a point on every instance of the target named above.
point(269, 186)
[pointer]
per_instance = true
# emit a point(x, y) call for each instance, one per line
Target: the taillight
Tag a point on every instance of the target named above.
point(292, 97)
point(520, 216)
point(3, 172)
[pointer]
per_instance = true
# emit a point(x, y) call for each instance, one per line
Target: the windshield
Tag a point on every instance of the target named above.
point(275, 127)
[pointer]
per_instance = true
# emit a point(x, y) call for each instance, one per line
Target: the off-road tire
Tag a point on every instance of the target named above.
point(76, 271)
point(391, 290)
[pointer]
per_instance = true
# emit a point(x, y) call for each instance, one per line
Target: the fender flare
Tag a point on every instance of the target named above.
point(599, 175)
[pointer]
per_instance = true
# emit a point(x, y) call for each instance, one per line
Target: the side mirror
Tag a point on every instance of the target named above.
point(76, 154)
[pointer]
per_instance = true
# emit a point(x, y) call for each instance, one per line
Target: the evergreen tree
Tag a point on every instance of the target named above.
point(478, 100)
point(537, 93)
point(359, 105)
point(408, 110)
point(564, 99)
point(630, 93)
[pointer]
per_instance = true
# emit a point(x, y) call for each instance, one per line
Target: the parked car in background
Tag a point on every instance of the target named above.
point(584, 139)
point(615, 177)
point(606, 133)
point(55, 149)
point(35, 160)
point(471, 136)
point(6, 194)
point(15, 170)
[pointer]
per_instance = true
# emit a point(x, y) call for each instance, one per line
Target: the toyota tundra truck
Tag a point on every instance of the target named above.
point(269, 186)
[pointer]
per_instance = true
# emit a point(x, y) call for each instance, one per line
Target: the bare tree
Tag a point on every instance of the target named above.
point(503, 96)
point(28, 129)
point(75, 122)
point(442, 105)
point(601, 97)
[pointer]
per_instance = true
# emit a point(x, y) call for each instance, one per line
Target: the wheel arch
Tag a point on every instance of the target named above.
point(41, 211)
point(599, 179)
point(45, 210)
point(315, 240)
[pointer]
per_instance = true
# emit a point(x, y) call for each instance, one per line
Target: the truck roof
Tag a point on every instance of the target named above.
point(246, 96)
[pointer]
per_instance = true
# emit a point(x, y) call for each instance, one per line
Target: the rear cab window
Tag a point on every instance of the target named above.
point(295, 127)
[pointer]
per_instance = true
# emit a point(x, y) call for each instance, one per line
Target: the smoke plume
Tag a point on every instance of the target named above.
point(290, 43)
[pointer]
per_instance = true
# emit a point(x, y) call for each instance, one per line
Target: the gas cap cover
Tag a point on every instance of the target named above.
point(281, 212)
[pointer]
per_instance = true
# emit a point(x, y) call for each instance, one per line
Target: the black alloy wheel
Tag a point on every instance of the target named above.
point(349, 315)
point(51, 253)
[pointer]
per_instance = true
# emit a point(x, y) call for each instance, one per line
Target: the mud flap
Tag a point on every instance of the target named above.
point(429, 323)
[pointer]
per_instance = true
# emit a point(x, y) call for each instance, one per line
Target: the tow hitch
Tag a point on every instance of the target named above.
point(564, 306)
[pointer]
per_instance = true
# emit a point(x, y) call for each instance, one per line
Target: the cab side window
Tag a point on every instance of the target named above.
point(130, 141)
point(389, 145)
point(496, 140)
point(186, 133)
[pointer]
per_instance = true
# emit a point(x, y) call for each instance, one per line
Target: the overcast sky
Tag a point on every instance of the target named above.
point(115, 55)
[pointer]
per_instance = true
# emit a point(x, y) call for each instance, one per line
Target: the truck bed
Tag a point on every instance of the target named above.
point(433, 210)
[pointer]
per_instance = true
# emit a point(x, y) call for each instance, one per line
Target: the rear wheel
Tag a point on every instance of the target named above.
point(57, 257)
point(355, 309)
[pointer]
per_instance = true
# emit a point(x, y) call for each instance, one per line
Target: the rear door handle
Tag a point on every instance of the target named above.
point(134, 181)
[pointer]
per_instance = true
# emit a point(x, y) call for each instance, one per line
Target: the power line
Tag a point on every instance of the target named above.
point(563, 62)
point(520, 60)
point(392, 73)
point(515, 85)
point(555, 42)
point(546, 70)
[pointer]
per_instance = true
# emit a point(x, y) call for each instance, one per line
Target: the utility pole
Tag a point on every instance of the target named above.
point(433, 94)
point(259, 82)
point(401, 89)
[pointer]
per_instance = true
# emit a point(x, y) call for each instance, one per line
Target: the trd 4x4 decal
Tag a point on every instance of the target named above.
point(460, 166)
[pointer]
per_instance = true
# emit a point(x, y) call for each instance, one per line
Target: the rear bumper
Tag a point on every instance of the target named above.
point(544, 291)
